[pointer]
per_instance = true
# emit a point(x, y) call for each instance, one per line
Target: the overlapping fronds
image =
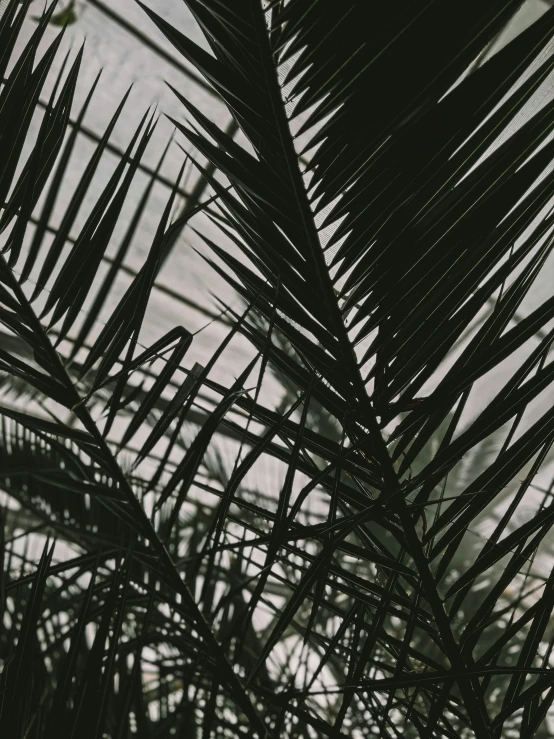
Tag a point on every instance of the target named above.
point(363, 551)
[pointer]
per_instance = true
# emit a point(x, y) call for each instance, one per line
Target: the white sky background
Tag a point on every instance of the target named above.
point(124, 61)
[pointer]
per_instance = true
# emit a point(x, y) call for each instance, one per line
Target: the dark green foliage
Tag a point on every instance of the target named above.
point(364, 552)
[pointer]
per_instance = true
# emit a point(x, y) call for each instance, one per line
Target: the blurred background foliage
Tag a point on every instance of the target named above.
point(275, 371)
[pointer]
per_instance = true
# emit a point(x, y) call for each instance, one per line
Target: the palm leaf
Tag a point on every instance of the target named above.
point(313, 560)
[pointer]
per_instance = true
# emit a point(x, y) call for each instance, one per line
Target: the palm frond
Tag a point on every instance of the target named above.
point(335, 546)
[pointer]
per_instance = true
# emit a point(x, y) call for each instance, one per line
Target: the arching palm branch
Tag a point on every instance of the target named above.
point(341, 565)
